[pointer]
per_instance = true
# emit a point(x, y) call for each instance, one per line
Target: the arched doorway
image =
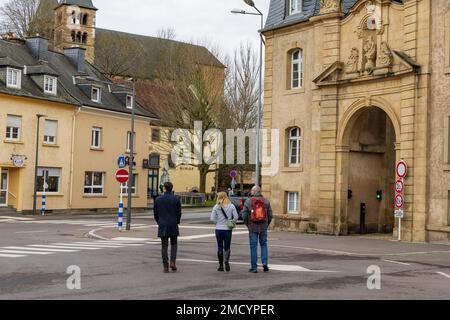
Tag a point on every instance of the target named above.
point(368, 171)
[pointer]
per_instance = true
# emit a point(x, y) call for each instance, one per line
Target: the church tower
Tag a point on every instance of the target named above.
point(75, 26)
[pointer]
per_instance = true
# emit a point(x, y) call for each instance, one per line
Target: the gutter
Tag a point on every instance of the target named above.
point(72, 154)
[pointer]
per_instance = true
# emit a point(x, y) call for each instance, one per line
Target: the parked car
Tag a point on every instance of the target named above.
point(239, 204)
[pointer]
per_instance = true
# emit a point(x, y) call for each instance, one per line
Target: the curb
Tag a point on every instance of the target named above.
point(92, 235)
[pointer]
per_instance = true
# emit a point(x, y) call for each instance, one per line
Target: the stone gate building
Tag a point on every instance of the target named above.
point(355, 86)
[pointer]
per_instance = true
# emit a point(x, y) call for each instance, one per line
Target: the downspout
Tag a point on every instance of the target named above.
point(72, 154)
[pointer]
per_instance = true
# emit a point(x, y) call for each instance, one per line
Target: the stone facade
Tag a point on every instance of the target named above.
point(373, 94)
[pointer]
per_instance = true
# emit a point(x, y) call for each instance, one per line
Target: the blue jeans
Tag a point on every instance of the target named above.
point(223, 238)
point(262, 237)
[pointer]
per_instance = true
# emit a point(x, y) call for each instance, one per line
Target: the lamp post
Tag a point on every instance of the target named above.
point(39, 116)
point(251, 3)
point(131, 164)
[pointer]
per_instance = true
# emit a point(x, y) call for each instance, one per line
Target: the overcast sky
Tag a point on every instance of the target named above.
point(192, 19)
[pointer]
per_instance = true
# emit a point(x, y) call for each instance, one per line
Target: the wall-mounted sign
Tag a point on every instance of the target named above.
point(402, 169)
point(18, 161)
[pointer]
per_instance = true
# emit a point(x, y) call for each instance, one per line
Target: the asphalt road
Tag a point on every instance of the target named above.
point(35, 255)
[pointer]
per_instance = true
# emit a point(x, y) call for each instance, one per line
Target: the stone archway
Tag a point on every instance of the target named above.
point(366, 156)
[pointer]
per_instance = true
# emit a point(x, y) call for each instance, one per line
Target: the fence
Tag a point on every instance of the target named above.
point(191, 198)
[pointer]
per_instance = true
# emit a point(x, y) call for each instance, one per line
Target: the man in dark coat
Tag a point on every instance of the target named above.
point(167, 211)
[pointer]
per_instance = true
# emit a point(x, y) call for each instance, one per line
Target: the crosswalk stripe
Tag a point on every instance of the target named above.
point(11, 256)
point(90, 244)
point(119, 243)
point(70, 247)
point(37, 249)
point(26, 252)
point(81, 245)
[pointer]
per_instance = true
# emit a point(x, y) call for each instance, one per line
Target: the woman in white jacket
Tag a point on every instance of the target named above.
point(224, 215)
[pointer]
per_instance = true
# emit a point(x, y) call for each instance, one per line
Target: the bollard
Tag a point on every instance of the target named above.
point(120, 223)
point(43, 204)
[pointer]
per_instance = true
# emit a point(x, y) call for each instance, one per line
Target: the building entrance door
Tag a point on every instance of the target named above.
point(4, 181)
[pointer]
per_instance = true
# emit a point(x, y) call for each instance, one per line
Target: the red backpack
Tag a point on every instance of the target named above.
point(259, 212)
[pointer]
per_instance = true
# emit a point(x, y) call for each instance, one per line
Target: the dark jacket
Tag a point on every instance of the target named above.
point(167, 211)
point(247, 211)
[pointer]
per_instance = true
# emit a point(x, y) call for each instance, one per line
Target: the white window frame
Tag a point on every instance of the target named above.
point(124, 186)
point(298, 140)
point(10, 130)
point(128, 149)
point(10, 83)
point(129, 106)
point(299, 63)
point(96, 131)
point(295, 6)
point(98, 97)
point(47, 138)
point(50, 85)
point(94, 186)
point(45, 175)
point(295, 202)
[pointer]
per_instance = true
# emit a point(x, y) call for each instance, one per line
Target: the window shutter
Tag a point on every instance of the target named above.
point(14, 121)
point(50, 128)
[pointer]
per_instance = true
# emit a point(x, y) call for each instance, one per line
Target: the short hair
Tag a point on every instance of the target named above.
point(168, 186)
point(256, 189)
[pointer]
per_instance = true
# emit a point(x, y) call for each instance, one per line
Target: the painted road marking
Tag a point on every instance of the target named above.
point(25, 252)
point(62, 247)
point(26, 232)
point(11, 256)
point(84, 245)
point(397, 262)
point(274, 267)
point(444, 274)
point(209, 236)
point(37, 249)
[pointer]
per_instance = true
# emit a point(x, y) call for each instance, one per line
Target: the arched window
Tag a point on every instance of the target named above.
point(297, 69)
point(294, 146)
point(79, 37)
point(74, 17)
point(84, 38)
point(84, 21)
point(74, 36)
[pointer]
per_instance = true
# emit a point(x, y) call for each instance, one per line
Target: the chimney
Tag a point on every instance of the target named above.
point(76, 55)
point(38, 47)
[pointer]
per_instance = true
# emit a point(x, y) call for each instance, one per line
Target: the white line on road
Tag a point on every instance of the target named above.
point(24, 232)
point(209, 236)
point(85, 245)
point(397, 262)
point(37, 249)
point(11, 256)
point(25, 252)
point(68, 246)
point(444, 274)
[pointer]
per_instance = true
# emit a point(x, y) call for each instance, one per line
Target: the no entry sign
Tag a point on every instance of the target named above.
point(122, 176)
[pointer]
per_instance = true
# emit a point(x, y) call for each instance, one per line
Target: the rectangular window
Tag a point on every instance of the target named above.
point(50, 131)
point(13, 78)
point(156, 135)
point(293, 202)
point(96, 140)
point(96, 94)
point(295, 6)
point(51, 176)
point(129, 101)
point(129, 142)
point(13, 127)
point(124, 187)
point(50, 84)
point(94, 183)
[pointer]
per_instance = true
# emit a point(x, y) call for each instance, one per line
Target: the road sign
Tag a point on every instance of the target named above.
point(121, 162)
point(233, 174)
point(402, 169)
point(122, 176)
point(399, 201)
point(399, 214)
point(399, 186)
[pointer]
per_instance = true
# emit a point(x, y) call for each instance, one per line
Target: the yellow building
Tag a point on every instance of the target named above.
point(84, 129)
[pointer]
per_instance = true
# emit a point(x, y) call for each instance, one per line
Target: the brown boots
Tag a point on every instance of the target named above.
point(173, 266)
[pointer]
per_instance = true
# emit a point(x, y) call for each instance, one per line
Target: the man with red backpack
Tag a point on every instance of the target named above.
point(257, 215)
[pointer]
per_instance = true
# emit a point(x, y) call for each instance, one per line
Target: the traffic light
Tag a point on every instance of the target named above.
point(379, 195)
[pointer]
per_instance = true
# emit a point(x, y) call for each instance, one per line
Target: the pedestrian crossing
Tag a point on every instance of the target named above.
point(65, 247)
point(82, 223)
point(4, 219)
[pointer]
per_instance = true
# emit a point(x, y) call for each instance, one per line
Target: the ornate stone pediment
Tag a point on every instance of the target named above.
point(330, 6)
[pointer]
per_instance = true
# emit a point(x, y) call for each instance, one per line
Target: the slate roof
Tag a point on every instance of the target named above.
point(278, 17)
point(80, 3)
point(69, 89)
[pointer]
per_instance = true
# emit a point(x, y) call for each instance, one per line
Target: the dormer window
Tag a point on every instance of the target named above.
point(129, 101)
point(295, 6)
point(13, 79)
point(96, 94)
point(50, 85)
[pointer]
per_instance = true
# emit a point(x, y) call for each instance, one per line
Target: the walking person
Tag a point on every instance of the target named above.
point(224, 215)
point(257, 215)
point(167, 212)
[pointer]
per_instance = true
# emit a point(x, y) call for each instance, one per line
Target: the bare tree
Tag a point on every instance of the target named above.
point(166, 33)
point(17, 15)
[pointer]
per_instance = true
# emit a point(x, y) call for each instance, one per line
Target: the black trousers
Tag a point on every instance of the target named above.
point(165, 249)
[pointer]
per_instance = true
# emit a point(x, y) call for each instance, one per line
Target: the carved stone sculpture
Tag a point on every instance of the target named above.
point(386, 58)
point(370, 53)
point(352, 63)
point(328, 6)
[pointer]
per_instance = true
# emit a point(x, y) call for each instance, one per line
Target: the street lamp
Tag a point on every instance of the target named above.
point(251, 3)
point(39, 116)
point(131, 163)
